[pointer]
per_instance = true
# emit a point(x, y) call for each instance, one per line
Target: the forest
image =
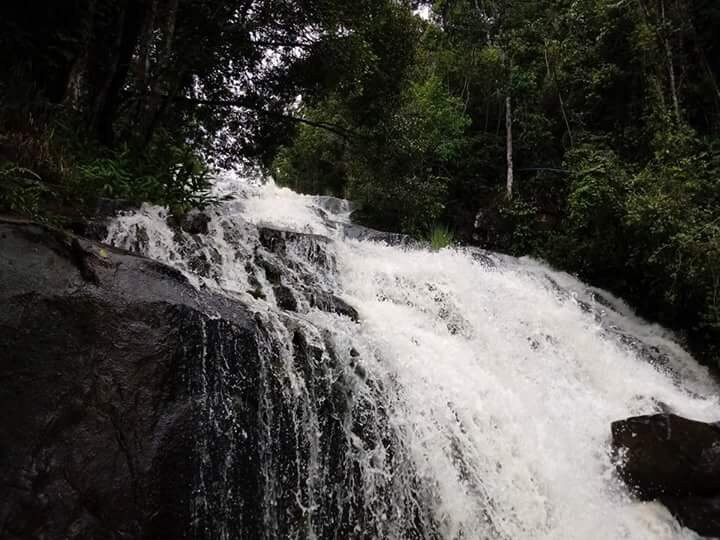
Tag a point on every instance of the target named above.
point(581, 132)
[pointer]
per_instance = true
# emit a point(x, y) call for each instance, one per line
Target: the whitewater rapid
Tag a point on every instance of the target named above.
point(499, 376)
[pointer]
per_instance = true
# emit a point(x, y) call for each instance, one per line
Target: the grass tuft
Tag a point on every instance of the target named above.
point(440, 237)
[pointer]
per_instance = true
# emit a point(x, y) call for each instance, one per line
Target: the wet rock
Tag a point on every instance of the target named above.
point(272, 239)
point(481, 256)
point(360, 371)
point(334, 204)
point(272, 272)
point(101, 370)
point(341, 307)
point(358, 232)
point(701, 514)
point(277, 240)
point(675, 461)
point(668, 455)
point(332, 304)
point(140, 240)
point(322, 214)
point(285, 298)
point(312, 246)
point(661, 406)
point(257, 290)
point(94, 229)
point(257, 293)
point(94, 225)
point(141, 407)
point(194, 222)
point(656, 357)
point(200, 265)
point(106, 207)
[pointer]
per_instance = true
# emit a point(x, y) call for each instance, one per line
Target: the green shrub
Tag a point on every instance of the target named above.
point(441, 237)
point(50, 171)
point(22, 191)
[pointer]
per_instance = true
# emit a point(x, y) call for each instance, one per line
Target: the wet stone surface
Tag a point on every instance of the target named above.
point(143, 407)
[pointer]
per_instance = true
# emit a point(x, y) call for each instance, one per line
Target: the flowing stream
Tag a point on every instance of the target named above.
point(471, 399)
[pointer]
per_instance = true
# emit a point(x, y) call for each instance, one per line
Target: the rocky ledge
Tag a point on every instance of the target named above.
point(99, 389)
point(138, 406)
point(675, 461)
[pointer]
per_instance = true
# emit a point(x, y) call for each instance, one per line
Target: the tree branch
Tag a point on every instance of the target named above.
point(248, 104)
point(549, 169)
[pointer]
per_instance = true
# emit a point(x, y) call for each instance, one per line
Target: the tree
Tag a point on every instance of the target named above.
point(509, 146)
point(137, 80)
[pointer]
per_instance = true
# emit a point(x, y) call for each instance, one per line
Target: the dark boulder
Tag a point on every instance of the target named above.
point(332, 304)
point(277, 240)
point(193, 222)
point(95, 229)
point(107, 207)
point(701, 514)
point(94, 224)
point(272, 272)
point(285, 298)
point(334, 205)
point(358, 232)
point(312, 246)
point(675, 461)
point(106, 363)
point(665, 454)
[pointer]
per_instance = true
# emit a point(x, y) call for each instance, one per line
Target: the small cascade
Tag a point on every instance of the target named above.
point(389, 391)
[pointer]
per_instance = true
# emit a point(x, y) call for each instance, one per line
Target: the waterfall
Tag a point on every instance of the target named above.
point(399, 392)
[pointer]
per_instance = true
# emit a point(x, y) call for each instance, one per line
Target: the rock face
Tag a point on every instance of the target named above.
point(137, 406)
point(101, 392)
point(674, 460)
point(194, 222)
point(669, 455)
point(701, 514)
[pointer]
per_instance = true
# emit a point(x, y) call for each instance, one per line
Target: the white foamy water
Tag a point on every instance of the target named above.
point(500, 375)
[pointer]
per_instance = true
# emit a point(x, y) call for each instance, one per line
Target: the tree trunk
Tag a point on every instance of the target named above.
point(62, 51)
point(670, 63)
point(77, 84)
point(161, 90)
point(553, 74)
point(109, 100)
point(662, 36)
point(509, 146)
point(145, 41)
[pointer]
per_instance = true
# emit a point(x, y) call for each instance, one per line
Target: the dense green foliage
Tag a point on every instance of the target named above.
point(404, 157)
point(139, 99)
point(615, 110)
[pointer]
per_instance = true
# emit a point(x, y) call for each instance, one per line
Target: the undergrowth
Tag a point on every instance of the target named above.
point(50, 173)
point(440, 237)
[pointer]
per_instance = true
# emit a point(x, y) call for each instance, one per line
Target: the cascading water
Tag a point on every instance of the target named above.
point(405, 393)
